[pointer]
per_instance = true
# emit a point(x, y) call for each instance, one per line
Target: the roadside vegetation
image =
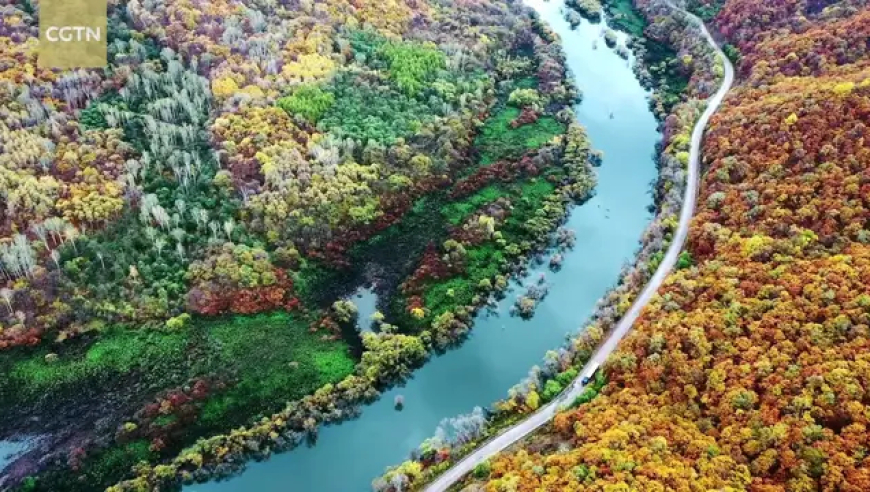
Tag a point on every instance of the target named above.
point(747, 372)
point(459, 436)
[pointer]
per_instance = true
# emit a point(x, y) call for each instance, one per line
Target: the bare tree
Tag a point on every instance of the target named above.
point(41, 232)
point(462, 429)
point(159, 244)
point(213, 225)
point(23, 252)
point(179, 249)
point(71, 234)
point(177, 234)
point(398, 482)
point(201, 217)
point(7, 295)
point(55, 257)
point(55, 226)
point(229, 226)
point(150, 233)
point(147, 202)
point(161, 216)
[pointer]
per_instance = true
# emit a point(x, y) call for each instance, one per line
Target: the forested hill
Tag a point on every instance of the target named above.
point(180, 231)
point(750, 371)
point(226, 120)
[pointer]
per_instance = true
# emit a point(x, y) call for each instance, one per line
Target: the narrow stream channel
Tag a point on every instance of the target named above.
point(501, 349)
point(366, 301)
point(9, 450)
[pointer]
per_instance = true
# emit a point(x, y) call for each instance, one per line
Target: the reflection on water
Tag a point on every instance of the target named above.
point(366, 301)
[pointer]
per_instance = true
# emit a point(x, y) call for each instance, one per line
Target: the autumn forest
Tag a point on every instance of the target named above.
point(749, 370)
point(182, 233)
point(180, 230)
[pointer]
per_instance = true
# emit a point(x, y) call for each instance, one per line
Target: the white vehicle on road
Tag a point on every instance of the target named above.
point(547, 412)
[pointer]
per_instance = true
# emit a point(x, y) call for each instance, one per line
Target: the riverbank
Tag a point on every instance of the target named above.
point(560, 368)
point(562, 170)
point(500, 348)
point(779, 238)
point(144, 391)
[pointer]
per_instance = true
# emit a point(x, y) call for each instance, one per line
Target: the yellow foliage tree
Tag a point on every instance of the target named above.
point(224, 87)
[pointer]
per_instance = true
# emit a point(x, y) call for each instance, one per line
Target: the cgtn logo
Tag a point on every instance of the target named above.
point(72, 33)
point(69, 34)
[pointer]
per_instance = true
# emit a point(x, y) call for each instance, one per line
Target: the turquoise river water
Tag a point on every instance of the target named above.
point(501, 349)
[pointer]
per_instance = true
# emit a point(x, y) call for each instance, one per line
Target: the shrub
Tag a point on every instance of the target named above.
point(309, 101)
point(524, 97)
point(412, 65)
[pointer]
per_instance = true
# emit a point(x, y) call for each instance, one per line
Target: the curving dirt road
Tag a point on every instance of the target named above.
point(547, 412)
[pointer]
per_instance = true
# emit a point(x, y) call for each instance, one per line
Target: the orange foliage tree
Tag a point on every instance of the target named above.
point(749, 370)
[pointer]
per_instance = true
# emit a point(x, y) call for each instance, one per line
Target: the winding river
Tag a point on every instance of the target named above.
point(501, 349)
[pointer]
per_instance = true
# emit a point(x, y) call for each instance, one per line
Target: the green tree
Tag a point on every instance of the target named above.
point(309, 101)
